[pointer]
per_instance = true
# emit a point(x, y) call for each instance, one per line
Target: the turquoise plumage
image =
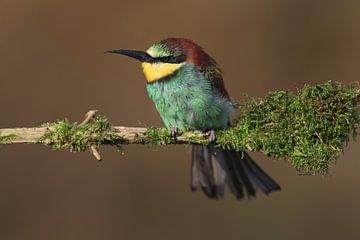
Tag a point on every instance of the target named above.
point(187, 101)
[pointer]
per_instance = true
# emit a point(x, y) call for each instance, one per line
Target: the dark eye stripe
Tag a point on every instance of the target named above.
point(171, 59)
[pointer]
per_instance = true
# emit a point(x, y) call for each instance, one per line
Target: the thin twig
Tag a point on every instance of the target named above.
point(88, 116)
point(95, 152)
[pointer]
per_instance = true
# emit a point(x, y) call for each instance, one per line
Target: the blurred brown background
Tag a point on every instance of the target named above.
point(52, 66)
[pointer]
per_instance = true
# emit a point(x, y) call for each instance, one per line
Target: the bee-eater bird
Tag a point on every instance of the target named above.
point(188, 91)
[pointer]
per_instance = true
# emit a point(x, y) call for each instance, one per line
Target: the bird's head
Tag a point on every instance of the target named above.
point(164, 58)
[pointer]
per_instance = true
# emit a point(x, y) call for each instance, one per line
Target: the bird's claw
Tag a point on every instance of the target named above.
point(212, 136)
point(173, 132)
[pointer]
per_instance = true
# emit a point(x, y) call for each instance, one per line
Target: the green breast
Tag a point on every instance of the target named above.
point(186, 100)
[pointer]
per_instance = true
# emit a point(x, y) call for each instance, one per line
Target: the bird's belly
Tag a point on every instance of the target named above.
point(190, 108)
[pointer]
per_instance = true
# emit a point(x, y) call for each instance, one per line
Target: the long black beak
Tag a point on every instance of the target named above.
point(139, 55)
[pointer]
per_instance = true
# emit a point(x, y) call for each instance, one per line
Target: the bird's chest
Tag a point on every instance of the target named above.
point(187, 103)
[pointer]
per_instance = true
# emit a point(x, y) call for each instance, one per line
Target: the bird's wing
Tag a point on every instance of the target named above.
point(212, 73)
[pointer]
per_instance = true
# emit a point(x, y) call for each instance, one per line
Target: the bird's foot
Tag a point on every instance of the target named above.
point(211, 135)
point(173, 132)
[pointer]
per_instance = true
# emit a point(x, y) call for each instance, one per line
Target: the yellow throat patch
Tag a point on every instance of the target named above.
point(156, 71)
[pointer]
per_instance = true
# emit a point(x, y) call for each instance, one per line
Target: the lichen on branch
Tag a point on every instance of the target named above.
point(77, 138)
point(4, 139)
point(309, 128)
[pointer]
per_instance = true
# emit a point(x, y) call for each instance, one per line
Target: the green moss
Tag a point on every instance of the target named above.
point(156, 136)
point(310, 129)
point(6, 138)
point(161, 136)
point(66, 135)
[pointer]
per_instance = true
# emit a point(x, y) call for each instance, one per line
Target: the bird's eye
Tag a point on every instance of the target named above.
point(166, 59)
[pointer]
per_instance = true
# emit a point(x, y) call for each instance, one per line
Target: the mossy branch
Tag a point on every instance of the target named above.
point(309, 128)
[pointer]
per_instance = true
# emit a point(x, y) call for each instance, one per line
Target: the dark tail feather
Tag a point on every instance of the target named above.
point(212, 168)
